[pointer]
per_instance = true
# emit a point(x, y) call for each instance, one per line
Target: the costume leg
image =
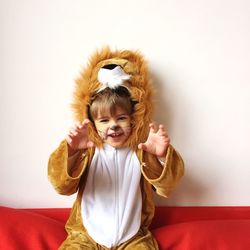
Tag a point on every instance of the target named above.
point(141, 241)
point(79, 242)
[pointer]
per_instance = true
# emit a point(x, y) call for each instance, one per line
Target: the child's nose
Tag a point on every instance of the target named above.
point(114, 127)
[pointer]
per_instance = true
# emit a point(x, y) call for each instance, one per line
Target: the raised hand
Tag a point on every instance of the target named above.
point(78, 137)
point(157, 141)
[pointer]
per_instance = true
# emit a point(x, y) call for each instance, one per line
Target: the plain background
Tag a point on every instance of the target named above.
point(198, 53)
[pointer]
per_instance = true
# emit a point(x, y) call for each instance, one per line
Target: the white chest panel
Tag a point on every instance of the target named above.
point(111, 203)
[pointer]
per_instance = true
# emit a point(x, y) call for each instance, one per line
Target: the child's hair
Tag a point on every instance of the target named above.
point(110, 99)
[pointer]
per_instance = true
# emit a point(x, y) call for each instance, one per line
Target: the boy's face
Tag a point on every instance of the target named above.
point(113, 129)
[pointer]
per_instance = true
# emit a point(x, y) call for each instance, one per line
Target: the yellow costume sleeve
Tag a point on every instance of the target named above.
point(163, 178)
point(65, 180)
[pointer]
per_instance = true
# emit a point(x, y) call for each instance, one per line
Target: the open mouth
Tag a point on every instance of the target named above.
point(114, 135)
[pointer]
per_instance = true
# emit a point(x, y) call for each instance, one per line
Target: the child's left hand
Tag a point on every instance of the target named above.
point(157, 142)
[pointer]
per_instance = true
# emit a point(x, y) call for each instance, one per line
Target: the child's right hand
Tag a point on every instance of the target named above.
point(78, 138)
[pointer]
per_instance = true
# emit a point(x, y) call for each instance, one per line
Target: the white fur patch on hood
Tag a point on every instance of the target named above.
point(112, 77)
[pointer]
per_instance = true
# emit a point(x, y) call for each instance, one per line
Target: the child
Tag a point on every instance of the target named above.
point(105, 160)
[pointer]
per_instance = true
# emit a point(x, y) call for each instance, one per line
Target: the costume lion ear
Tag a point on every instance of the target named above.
point(108, 68)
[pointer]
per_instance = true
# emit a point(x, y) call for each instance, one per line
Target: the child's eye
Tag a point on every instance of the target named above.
point(103, 120)
point(122, 118)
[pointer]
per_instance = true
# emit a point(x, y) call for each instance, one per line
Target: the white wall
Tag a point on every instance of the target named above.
point(199, 54)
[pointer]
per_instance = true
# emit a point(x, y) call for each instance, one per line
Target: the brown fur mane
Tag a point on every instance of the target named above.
point(140, 87)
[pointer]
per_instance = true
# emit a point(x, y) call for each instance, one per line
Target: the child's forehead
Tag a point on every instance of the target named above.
point(107, 111)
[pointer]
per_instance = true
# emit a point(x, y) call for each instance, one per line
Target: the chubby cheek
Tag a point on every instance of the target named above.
point(102, 130)
point(127, 131)
point(100, 127)
point(125, 124)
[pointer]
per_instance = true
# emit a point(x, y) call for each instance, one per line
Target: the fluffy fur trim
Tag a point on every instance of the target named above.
point(141, 90)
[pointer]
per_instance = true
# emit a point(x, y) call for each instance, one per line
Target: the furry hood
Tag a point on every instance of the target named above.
point(139, 85)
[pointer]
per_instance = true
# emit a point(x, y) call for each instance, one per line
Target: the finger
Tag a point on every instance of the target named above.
point(161, 126)
point(90, 144)
point(78, 126)
point(73, 130)
point(152, 127)
point(166, 141)
point(162, 131)
point(73, 133)
point(84, 124)
point(68, 139)
point(142, 146)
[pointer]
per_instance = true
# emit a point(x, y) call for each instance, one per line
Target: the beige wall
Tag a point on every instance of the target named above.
point(199, 55)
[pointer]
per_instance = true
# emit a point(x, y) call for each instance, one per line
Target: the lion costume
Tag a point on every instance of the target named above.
point(162, 177)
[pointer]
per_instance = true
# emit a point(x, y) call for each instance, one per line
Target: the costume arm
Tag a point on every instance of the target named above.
point(163, 178)
point(64, 179)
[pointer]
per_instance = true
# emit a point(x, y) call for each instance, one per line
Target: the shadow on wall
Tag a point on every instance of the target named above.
point(172, 111)
point(187, 193)
point(170, 107)
point(162, 106)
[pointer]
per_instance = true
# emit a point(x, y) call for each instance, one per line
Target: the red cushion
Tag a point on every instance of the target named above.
point(36, 229)
point(21, 229)
point(205, 235)
point(173, 215)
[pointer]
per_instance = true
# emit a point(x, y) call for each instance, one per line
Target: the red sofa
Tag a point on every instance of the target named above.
point(175, 228)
